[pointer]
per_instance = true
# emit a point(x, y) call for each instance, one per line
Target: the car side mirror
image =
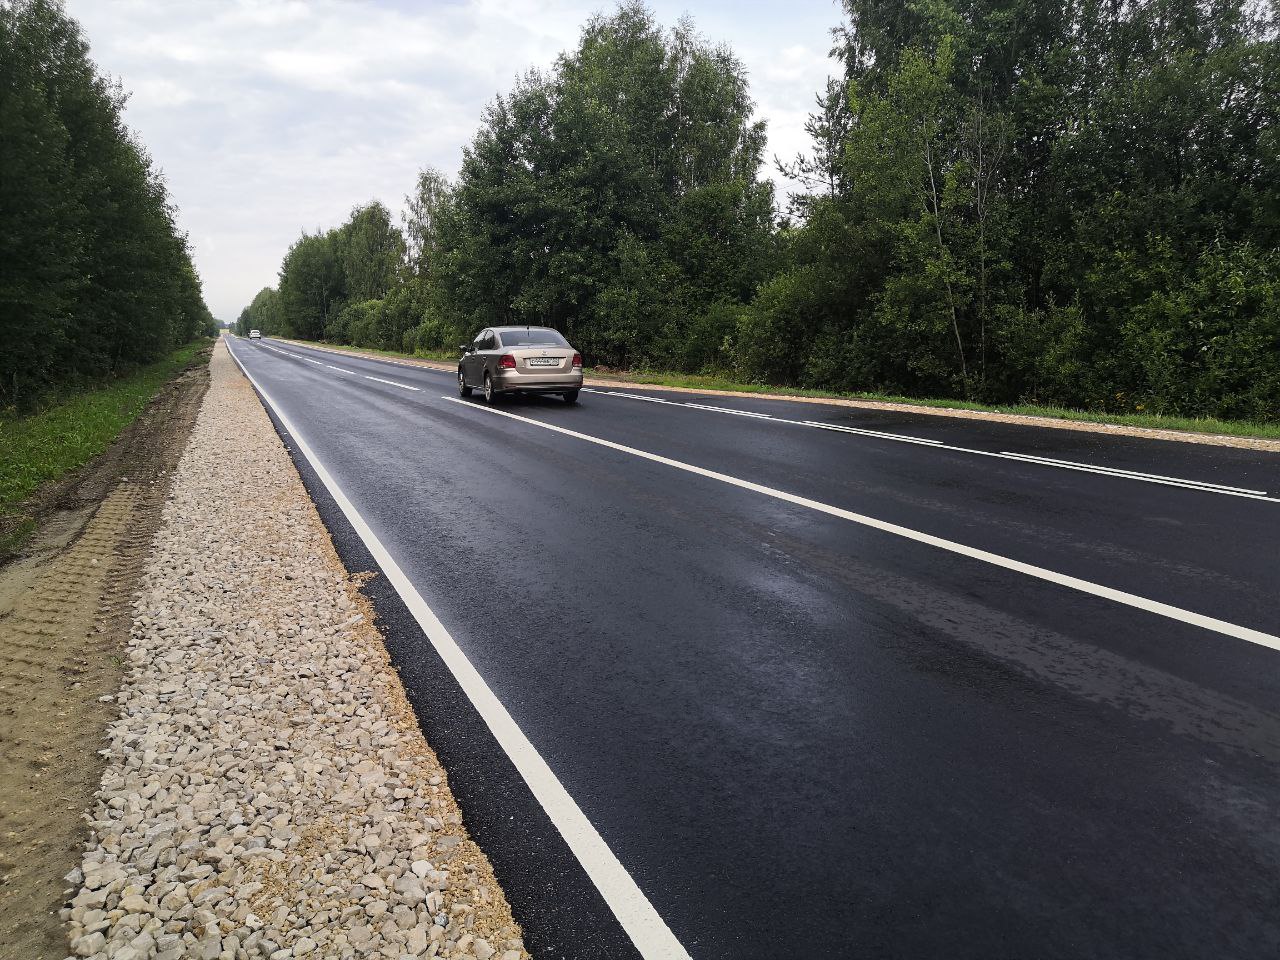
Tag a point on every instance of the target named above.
point(464, 347)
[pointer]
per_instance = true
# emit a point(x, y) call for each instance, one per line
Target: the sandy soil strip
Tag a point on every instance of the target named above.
point(64, 621)
point(269, 792)
point(1051, 423)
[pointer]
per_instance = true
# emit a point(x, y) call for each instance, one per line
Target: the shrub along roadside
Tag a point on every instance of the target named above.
point(1069, 206)
point(65, 434)
point(96, 278)
point(709, 382)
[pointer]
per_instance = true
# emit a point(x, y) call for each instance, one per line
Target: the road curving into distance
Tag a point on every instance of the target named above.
point(738, 678)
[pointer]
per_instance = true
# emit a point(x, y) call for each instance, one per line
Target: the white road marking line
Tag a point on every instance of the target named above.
point(1111, 472)
point(287, 353)
point(736, 413)
point(995, 559)
point(648, 931)
point(1201, 485)
point(403, 386)
point(871, 433)
point(358, 356)
point(633, 396)
point(1130, 473)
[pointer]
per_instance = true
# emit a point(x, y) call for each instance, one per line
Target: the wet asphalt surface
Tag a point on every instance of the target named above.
point(803, 737)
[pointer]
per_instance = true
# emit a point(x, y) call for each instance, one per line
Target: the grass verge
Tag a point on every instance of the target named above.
point(1209, 425)
point(45, 446)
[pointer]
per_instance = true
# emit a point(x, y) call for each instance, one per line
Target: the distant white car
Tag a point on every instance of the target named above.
point(255, 334)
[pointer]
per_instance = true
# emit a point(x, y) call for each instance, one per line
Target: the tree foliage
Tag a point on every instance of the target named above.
point(1034, 202)
point(616, 198)
point(95, 277)
point(1005, 200)
point(332, 282)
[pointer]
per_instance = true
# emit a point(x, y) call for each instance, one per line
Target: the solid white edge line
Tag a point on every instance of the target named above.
point(647, 930)
point(995, 559)
point(402, 386)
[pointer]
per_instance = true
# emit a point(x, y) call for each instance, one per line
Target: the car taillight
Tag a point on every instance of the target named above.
point(577, 359)
point(507, 362)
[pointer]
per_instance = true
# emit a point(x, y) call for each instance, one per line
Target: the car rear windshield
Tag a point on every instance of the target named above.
point(532, 337)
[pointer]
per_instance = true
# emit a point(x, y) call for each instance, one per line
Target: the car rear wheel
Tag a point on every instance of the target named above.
point(570, 396)
point(463, 389)
point(490, 394)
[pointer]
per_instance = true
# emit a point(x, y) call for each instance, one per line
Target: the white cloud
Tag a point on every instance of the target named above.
point(269, 117)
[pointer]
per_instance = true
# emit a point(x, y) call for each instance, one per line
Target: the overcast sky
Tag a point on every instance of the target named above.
point(268, 117)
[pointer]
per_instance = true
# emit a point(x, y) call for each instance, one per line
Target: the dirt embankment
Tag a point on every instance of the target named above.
point(269, 791)
point(65, 617)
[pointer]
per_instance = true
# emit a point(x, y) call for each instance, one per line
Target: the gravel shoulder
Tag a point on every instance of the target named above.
point(1049, 423)
point(268, 791)
point(64, 622)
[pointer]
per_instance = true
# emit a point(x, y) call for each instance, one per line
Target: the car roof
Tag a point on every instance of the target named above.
point(521, 326)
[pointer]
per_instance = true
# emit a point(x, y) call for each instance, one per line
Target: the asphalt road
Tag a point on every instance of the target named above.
point(779, 671)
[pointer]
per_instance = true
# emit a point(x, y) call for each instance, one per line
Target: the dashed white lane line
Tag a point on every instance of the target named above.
point(631, 396)
point(647, 930)
point(402, 386)
point(871, 433)
point(995, 559)
point(321, 363)
point(1129, 473)
point(1203, 486)
point(736, 413)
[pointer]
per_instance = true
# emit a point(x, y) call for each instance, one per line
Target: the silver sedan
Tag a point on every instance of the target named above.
point(506, 360)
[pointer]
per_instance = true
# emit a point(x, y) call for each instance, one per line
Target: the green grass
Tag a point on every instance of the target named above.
point(1210, 425)
point(66, 434)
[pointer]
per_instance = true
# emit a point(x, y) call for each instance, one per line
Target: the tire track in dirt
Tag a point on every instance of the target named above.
point(65, 614)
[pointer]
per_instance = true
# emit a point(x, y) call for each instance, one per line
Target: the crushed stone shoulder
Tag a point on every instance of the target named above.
point(269, 792)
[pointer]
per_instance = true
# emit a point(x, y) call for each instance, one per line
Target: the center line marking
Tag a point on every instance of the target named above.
point(642, 923)
point(1041, 573)
point(393, 383)
point(871, 433)
point(1074, 465)
point(736, 413)
point(1203, 486)
point(402, 386)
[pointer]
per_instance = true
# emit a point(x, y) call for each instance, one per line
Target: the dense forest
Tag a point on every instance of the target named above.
point(95, 277)
point(1005, 200)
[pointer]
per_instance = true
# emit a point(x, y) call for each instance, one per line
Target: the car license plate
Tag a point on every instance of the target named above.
point(544, 362)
